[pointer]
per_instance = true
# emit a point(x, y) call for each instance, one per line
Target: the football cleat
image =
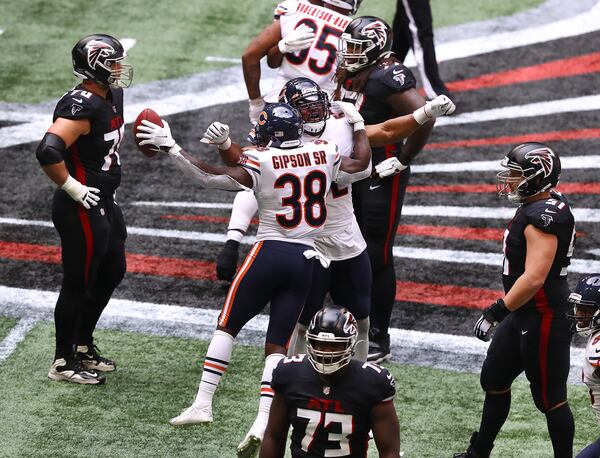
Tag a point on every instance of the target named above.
point(73, 371)
point(227, 260)
point(193, 416)
point(379, 346)
point(89, 355)
point(250, 446)
point(470, 453)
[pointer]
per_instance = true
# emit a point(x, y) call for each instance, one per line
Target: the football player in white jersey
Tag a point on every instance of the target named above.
point(349, 278)
point(303, 41)
point(586, 314)
point(290, 181)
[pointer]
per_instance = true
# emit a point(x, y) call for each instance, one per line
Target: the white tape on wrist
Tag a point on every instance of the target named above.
point(358, 126)
point(421, 116)
point(225, 145)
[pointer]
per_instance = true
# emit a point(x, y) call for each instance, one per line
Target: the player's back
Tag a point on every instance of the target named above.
point(319, 61)
point(290, 186)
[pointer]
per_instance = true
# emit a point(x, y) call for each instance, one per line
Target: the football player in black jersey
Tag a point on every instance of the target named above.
point(80, 153)
point(381, 88)
point(330, 400)
point(533, 333)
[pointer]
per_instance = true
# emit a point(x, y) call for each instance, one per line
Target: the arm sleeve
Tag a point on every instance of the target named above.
point(205, 179)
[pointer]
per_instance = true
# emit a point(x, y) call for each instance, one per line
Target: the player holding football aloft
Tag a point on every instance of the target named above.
point(290, 181)
point(330, 400)
point(80, 153)
point(586, 316)
point(348, 278)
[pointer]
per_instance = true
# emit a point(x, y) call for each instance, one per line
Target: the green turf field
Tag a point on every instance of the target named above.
point(173, 38)
point(158, 376)
point(6, 325)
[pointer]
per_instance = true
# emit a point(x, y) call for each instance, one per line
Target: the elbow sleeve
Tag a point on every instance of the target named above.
point(50, 150)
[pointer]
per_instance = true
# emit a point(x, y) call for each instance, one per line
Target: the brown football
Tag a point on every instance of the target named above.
point(153, 117)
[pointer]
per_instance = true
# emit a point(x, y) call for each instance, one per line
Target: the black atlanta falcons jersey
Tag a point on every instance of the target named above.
point(330, 416)
point(94, 158)
point(385, 79)
point(551, 215)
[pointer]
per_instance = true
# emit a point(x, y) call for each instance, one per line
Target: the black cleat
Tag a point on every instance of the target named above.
point(379, 346)
point(89, 355)
point(73, 371)
point(470, 453)
point(227, 260)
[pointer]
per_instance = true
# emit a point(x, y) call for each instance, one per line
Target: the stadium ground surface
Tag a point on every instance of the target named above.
point(531, 76)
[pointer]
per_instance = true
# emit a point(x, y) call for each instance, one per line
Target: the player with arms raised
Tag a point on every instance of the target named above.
point(290, 181)
point(330, 400)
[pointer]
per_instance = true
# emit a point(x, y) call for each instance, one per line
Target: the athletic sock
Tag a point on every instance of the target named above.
point(495, 412)
point(266, 393)
point(215, 364)
point(562, 429)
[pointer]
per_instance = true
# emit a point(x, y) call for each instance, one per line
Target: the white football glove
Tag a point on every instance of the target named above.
point(255, 106)
point(297, 40)
point(351, 113)
point(489, 319)
point(218, 134)
point(158, 137)
point(440, 106)
point(389, 167)
point(81, 193)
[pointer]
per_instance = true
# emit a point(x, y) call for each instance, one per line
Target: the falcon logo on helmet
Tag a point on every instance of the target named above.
point(542, 157)
point(97, 50)
point(377, 32)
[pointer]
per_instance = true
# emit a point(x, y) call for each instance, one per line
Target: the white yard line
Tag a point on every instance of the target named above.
point(570, 105)
point(413, 347)
point(128, 43)
point(231, 60)
point(15, 336)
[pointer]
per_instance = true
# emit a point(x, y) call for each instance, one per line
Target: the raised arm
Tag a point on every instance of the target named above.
point(362, 148)
point(255, 51)
point(209, 176)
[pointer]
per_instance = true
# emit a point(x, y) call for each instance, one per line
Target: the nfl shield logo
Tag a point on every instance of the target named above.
point(326, 390)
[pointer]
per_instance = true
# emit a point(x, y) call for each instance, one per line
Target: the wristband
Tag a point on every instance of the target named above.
point(358, 126)
point(421, 116)
point(225, 145)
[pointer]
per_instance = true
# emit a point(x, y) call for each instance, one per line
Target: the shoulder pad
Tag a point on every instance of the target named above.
point(76, 104)
point(284, 8)
point(393, 78)
point(548, 214)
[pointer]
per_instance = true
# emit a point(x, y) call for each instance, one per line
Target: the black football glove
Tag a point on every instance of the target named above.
point(227, 260)
point(491, 316)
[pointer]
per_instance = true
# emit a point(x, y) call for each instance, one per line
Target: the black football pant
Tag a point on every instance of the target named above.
point(378, 206)
point(535, 340)
point(93, 260)
point(413, 28)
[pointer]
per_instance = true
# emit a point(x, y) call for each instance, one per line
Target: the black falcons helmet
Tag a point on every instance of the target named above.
point(531, 168)
point(279, 125)
point(94, 58)
point(366, 39)
point(330, 339)
point(349, 5)
point(310, 100)
point(586, 304)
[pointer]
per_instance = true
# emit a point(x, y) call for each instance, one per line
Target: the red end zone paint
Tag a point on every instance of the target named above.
point(567, 188)
point(421, 293)
point(451, 232)
point(580, 65)
point(446, 295)
point(555, 135)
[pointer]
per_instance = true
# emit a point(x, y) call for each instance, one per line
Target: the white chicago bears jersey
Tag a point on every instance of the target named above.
point(341, 237)
point(590, 378)
point(290, 186)
point(317, 62)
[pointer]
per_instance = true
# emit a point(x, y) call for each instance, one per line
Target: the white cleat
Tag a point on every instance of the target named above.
point(193, 416)
point(250, 446)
